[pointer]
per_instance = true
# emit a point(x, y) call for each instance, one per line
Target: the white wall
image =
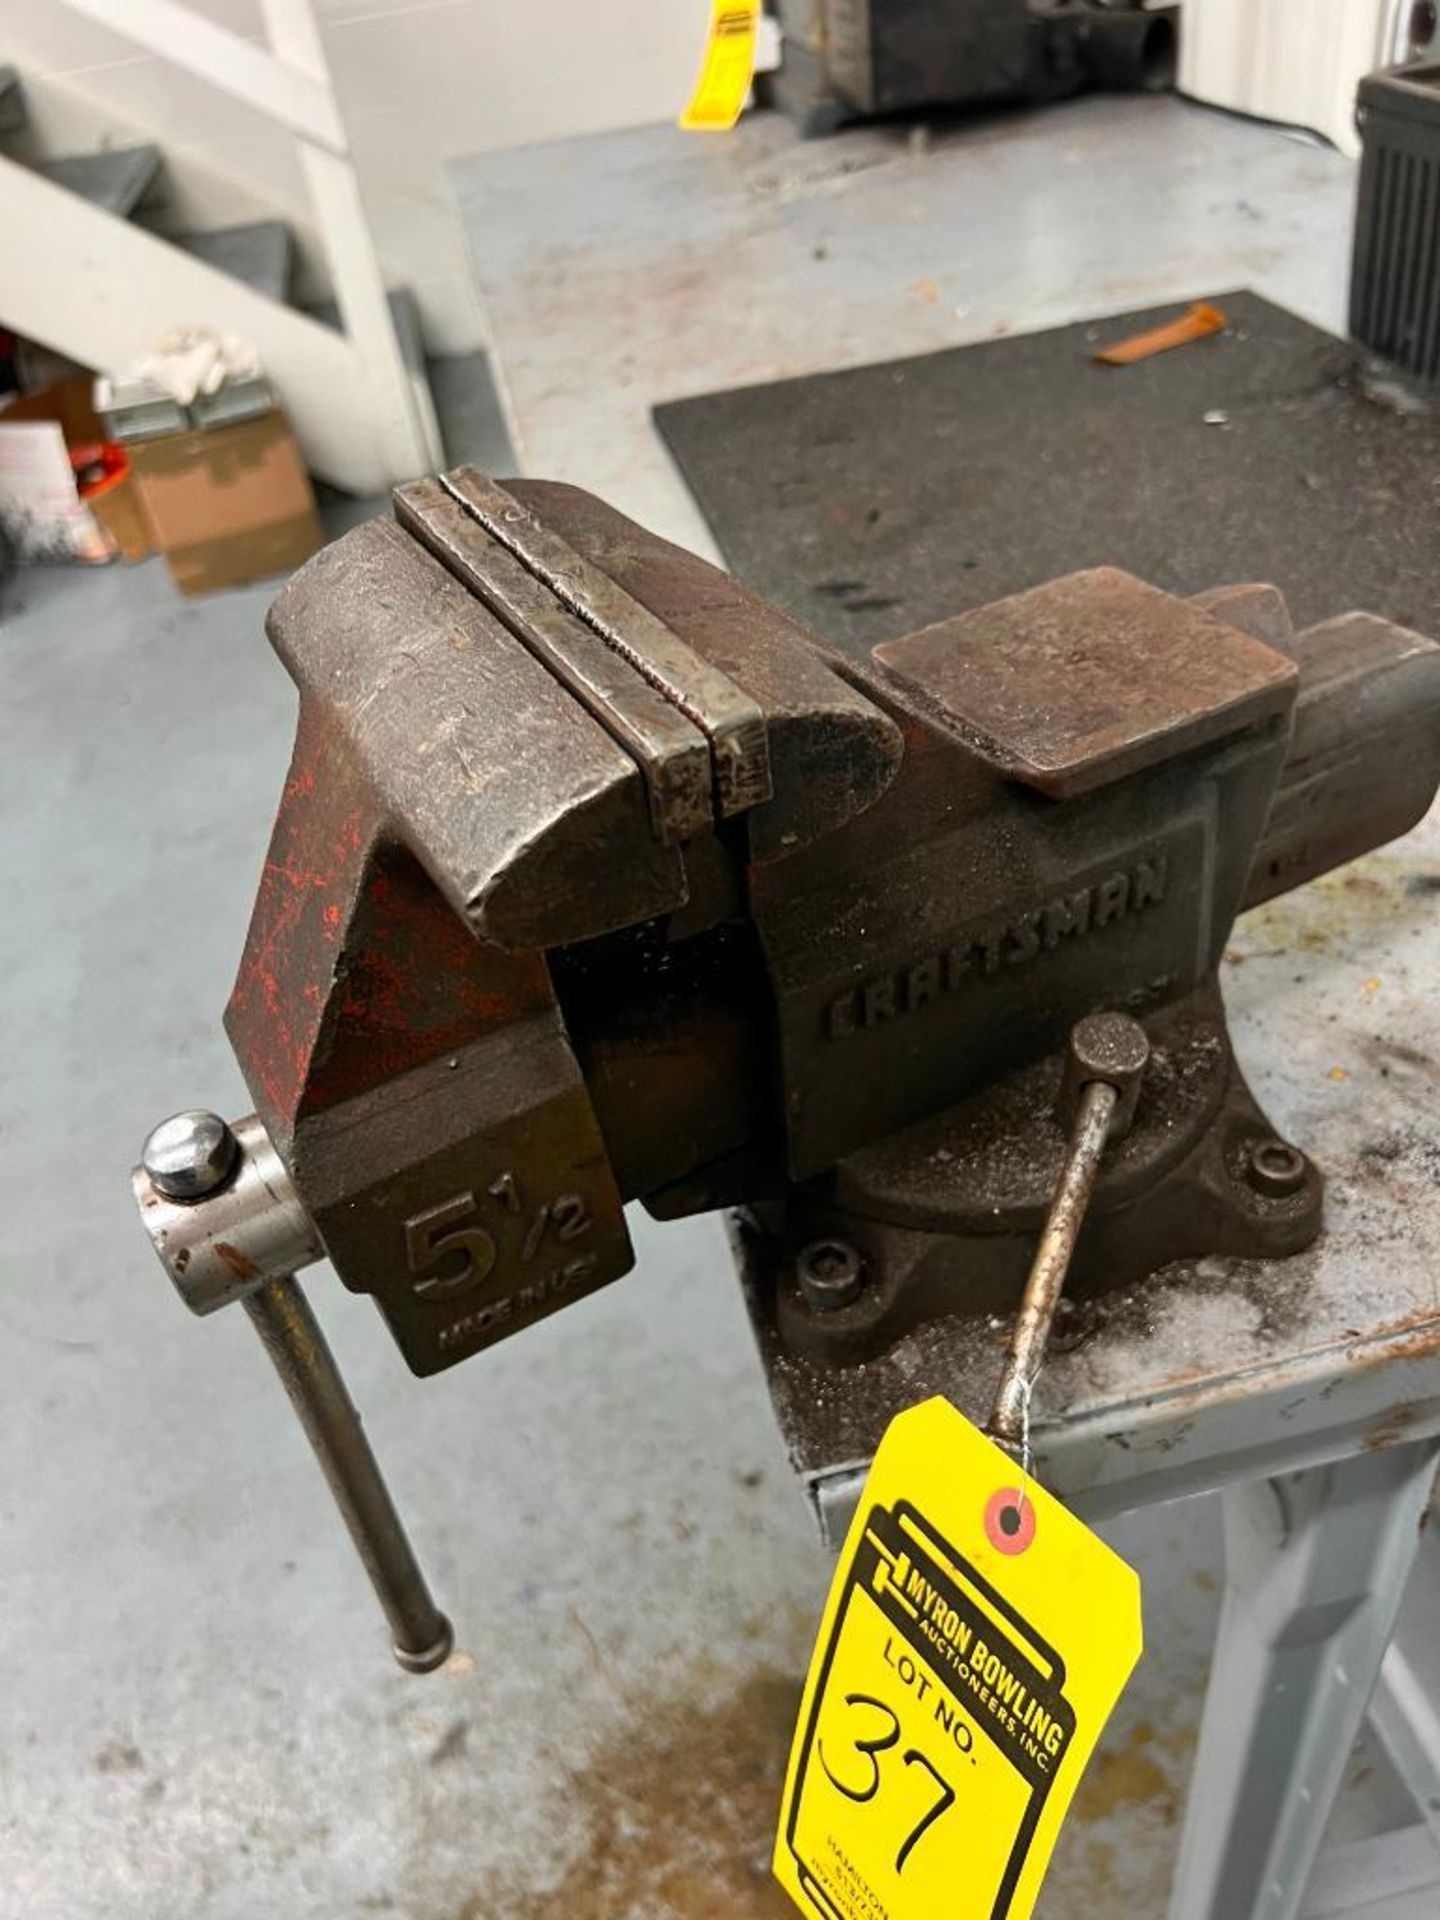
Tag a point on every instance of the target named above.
point(420, 81)
point(1297, 61)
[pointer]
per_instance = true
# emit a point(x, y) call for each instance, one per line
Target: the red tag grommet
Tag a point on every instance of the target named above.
point(1009, 1520)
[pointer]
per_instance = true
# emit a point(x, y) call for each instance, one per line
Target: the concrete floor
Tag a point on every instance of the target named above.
point(198, 1720)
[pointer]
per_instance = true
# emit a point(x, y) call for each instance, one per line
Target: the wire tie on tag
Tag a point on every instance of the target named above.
point(1027, 1387)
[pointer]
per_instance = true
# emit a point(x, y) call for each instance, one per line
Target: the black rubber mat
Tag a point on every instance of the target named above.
point(873, 501)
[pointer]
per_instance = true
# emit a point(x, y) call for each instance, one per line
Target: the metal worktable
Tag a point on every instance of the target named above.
point(1309, 1394)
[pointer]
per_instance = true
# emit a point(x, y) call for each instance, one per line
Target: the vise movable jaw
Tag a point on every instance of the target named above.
point(597, 878)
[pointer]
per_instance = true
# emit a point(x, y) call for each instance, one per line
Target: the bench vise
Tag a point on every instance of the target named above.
point(598, 879)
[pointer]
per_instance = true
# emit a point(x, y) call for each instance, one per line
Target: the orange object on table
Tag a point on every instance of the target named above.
point(1198, 324)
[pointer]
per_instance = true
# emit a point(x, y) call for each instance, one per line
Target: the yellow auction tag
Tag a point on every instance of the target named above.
point(976, 1638)
point(719, 96)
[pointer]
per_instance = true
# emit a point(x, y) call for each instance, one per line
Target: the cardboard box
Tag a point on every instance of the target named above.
point(227, 505)
point(65, 401)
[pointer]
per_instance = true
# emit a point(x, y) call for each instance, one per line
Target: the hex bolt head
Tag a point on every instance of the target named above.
point(190, 1155)
point(831, 1274)
point(1275, 1168)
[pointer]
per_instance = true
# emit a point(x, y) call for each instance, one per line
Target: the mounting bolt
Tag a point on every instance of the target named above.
point(190, 1155)
point(1275, 1168)
point(831, 1274)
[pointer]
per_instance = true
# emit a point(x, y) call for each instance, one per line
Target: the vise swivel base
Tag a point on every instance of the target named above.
point(597, 879)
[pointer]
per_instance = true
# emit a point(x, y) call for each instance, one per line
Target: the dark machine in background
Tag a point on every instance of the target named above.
point(851, 59)
point(1395, 266)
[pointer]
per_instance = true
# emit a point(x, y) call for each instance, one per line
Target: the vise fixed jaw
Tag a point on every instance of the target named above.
point(596, 878)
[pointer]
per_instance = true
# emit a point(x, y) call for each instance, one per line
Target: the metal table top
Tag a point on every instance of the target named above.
point(667, 266)
point(1218, 1368)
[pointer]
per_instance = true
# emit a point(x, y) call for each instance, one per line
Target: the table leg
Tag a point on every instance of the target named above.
point(1405, 1706)
point(1316, 1565)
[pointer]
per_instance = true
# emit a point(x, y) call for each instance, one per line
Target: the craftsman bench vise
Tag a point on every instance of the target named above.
point(597, 879)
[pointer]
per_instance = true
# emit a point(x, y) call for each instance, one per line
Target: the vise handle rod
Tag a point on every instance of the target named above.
point(227, 1226)
point(1104, 1064)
